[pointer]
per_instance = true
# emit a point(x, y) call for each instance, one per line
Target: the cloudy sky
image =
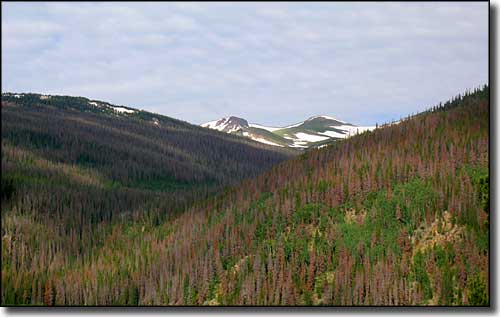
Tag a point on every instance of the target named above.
point(271, 63)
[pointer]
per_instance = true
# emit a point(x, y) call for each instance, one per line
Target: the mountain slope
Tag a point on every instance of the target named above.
point(314, 132)
point(36, 122)
point(239, 126)
point(396, 216)
point(73, 171)
point(129, 148)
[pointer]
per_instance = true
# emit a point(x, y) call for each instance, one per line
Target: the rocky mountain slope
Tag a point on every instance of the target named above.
point(314, 132)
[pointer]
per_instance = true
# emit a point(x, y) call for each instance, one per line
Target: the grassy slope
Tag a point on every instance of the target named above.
point(270, 136)
point(313, 127)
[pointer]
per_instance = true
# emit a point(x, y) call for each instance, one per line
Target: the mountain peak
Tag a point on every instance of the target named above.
point(238, 120)
point(227, 124)
point(322, 117)
point(313, 132)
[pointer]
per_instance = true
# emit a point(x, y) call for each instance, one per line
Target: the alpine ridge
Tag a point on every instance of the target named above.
point(315, 132)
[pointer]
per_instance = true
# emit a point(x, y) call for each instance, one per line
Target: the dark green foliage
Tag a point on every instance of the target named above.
point(185, 291)
point(484, 192)
point(447, 287)
point(133, 296)
point(421, 276)
point(478, 295)
point(307, 214)
point(307, 298)
point(7, 187)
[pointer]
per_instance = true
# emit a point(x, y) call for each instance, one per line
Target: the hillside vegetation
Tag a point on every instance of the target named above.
point(72, 170)
point(395, 216)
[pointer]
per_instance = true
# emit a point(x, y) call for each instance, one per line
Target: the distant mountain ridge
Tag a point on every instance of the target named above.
point(317, 131)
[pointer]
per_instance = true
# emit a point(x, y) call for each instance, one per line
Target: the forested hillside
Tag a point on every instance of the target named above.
point(73, 168)
point(135, 150)
point(395, 216)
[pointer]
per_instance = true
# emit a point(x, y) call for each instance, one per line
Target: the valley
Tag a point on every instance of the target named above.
point(110, 205)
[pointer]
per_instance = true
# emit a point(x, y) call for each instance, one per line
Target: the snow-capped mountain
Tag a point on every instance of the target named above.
point(316, 131)
point(229, 124)
point(239, 126)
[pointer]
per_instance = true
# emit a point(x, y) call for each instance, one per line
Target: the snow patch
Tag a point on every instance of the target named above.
point(211, 124)
point(261, 140)
point(299, 145)
point(123, 110)
point(223, 124)
point(349, 130)
point(220, 124)
point(233, 129)
point(352, 130)
point(310, 137)
point(334, 134)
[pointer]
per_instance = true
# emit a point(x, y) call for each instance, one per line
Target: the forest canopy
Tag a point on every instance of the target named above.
point(100, 208)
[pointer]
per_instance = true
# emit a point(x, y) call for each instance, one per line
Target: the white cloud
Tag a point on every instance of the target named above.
point(274, 63)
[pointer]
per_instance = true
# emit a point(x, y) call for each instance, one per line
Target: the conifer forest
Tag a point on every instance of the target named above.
point(130, 208)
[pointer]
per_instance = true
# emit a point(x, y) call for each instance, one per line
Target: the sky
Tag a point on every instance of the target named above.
point(270, 63)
